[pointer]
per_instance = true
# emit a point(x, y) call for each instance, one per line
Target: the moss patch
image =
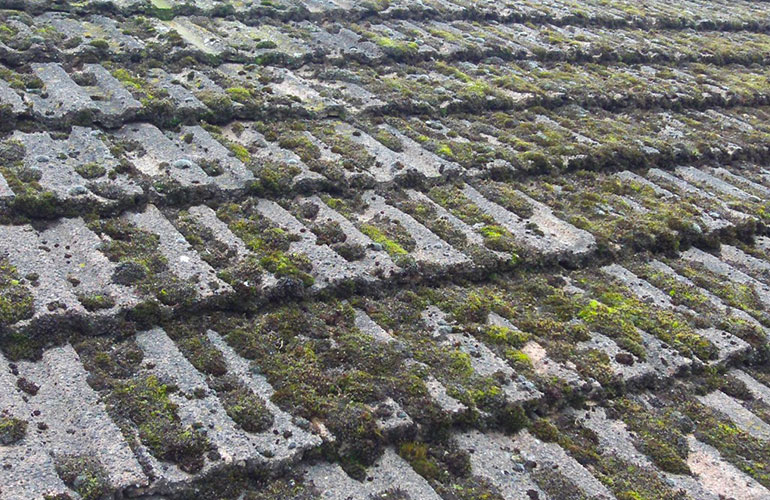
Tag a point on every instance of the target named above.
point(12, 430)
point(85, 474)
point(16, 301)
point(144, 400)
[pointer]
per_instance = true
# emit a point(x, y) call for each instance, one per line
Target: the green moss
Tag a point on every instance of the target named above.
point(389, 140)
point(426, 215)
point(396, 48)
point(17, 345)
point(626, 480)
point(445, 151)
point(270, 244)
point(750, 455)
point(291, 346)
point(37, 204)
point(545, 430)
point(239, 151)
point(202, 355)
point(90, 170)
point(242, 405)
point(508, 197)
point(145, 401)
point(100, 44)
point(741, 296)
point(108, 361)
point(504, 335)
point(300, 144)
point(460, 364)
point(84, 474)
point(618, 313)
point(353, 157)
point(417, 455)
point(658, 435)
point(12, 430)
point(95, 301)
point(328, 232)
point(16, 301)
point(495, 236)
point(265, 44)
point(555, 484)
point(390, 246)
point(141, 263)
point(128, 79)
point(498, 238)
point(611, 322)
point(282, 264)
point(274, 178)
point(520, 361)
point(221, 105)
point(239, 94)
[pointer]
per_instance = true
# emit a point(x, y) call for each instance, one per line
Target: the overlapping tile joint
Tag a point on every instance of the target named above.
point(385, 249)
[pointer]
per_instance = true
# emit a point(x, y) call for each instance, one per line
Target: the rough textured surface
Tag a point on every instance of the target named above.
point(385, 249)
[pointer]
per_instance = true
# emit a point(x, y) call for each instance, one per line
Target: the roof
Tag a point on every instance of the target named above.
point(388, 249)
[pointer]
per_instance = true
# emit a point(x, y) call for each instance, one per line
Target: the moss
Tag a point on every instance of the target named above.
point(239, 94)
point(265, 44)
point(741, 296)
point(12, 430)
point(608, 321)
point(555, 484)
point(546, 431)
point(100, 44)
point(274, 178)
point(350, 251)
point(301, 145)
point(337, 204)
point(445, 151)
point(202, 355)
point(353, 157)
point(141, 263)
point(16, 301)
point(212, 250)
point(504, 335)
point(397, 49)
point(282, 264)
point(498, 238)
point(242, 405)
point(270, 244)
point(426, 215)
point(292, 346)
point(90, 170)
point(95, 301)
point(618, 314)
point(18, 345)
point(520, 361)
point(659, 435)
point(736, 446)
point(389, 140)
point(108, 361)
point(220, 105)
point(417, 455)
point(328, 232)
point(690, 297)
point(495, 237)
point(626, 480)
point(212, 167)
point(125, 77)
point(508, 197)
point(390, 246)
point(145, 401)
point(84, 474)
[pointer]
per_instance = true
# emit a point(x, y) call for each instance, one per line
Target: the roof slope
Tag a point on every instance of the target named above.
point(385, 249)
